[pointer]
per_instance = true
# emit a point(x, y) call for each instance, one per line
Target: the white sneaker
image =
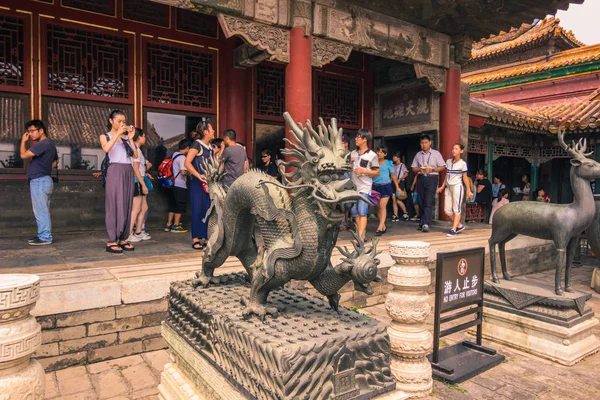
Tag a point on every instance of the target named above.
point(133, 238)
point(145, 236)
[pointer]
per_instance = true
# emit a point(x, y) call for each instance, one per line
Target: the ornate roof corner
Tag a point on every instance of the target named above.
point(525, 36)
point(325, 51)
point(275, 41)
point(435, 76)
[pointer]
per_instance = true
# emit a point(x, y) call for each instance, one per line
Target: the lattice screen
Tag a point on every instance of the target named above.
point(270, 90)
point(12, 51)
point(87, 63)
point(341, 99)
point(180, 76)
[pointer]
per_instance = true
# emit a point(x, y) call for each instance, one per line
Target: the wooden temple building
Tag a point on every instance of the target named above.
point(392, 66)
point(525, 83)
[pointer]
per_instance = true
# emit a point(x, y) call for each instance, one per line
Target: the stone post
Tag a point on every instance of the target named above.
point(408, 306)
point(20, 336)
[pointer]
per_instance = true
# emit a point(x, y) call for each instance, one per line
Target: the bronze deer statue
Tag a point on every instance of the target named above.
point(561, 223)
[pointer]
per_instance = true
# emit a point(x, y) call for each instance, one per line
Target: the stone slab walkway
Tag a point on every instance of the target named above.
point(521, 377)
point(133, 377)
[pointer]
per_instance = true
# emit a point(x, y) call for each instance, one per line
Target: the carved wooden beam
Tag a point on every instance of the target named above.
point(380, 34)
point(275, 41)
point(325, 51)
point(435, 76)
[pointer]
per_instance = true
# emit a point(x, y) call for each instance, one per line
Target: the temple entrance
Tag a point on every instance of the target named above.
point(511, 169)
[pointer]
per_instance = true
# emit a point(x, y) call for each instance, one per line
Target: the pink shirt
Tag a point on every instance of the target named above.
point(496, 204)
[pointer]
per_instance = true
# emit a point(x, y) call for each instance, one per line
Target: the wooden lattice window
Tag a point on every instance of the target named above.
point(87, 63)
point(513, 150)
point(270, 91)
point(339, 98)
point(146, 11)
point(198, 23)
point(180, 76)
point(478, 146)
point(106, 7)
point(12, 51)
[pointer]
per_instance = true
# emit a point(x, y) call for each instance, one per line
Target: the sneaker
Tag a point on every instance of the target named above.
point(178, 229)
point(39, 242)
point(33, 239)
point(452, 233)
point(425, 228)
point(168, 228)
point(145, 236)
point(395, 218)
point(134, 238)
point(406, 217)
point(460, 228)
point(415, 218)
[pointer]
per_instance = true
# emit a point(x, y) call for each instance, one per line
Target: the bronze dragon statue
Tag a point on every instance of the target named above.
point(281, 232)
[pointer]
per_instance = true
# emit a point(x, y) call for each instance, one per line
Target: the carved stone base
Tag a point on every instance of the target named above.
point(528, 316)
point(309, 351)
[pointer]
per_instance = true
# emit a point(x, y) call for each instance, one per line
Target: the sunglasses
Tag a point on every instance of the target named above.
point(264, 156)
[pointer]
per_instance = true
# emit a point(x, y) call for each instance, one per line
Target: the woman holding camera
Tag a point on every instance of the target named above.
point(199, 153)
point(118, 145)
point(141, 189)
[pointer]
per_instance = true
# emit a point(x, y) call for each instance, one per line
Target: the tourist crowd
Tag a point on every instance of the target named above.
point(127, 182)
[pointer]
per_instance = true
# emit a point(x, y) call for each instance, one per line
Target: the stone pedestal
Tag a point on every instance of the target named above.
point(309, 351)
point(528, 316)
point(20, 336)
point(408, 306)
point(595, 283)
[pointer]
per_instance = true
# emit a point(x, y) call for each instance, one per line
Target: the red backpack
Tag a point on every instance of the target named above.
point(165, 172)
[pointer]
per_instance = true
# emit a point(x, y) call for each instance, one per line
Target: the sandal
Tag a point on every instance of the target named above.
point(197, 246)
point(126, 246)
point(114, 248)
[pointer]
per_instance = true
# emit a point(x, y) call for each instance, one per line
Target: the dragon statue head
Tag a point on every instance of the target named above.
point(320, 163)
point(360, 265)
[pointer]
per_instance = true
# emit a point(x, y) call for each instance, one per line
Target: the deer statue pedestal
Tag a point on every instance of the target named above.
point(527, 315)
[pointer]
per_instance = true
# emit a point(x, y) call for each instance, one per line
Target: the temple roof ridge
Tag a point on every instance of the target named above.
point(525, 36)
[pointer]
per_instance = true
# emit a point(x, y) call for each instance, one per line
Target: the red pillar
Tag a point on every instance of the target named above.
point(449, 122)
point(298, 77)
point(237, 98)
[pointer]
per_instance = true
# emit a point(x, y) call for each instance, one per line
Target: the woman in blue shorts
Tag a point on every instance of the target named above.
point(383, 185)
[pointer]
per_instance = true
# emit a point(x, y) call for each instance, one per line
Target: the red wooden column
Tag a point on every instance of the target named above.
point(449, 123)
point(238, 98)
point(298, 77)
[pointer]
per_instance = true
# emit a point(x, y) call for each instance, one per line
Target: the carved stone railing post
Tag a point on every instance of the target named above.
point(20, 336)
point(408, 306)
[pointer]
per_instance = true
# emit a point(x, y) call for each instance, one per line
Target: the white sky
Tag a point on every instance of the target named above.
point(582, 19)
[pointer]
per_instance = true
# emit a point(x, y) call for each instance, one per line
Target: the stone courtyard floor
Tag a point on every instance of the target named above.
point(521, 377)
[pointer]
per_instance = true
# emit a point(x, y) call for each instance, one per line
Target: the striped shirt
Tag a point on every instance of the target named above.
point(455, 171)
point(432, 159)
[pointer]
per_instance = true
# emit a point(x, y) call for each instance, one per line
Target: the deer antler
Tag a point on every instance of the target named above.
point(575, 150)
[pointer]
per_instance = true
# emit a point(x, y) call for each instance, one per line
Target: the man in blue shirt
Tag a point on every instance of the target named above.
point(44, 158)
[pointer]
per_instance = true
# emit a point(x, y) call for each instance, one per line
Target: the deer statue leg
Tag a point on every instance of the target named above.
point(571, 247)
point(561, 260)
point(493, 260)
point(501, 247)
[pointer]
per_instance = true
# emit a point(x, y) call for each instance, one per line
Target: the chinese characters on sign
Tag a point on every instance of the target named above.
point(408, 106)
point(462, 280)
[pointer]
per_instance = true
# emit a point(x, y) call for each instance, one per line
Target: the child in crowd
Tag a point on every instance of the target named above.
point(498, 202)
point(542, 196)
point(456, 175)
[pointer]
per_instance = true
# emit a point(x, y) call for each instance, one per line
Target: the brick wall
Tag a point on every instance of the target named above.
point(100, 334)
point(76, 206)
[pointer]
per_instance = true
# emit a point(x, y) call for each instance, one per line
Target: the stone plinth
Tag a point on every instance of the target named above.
point(529, 316)
point(20, 336)
point(309, 351)
point(408, 306)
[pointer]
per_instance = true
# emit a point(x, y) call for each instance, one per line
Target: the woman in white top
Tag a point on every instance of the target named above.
point(118, 200)
point(140, 193)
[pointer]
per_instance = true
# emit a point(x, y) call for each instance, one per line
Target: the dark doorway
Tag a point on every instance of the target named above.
point(511, 170)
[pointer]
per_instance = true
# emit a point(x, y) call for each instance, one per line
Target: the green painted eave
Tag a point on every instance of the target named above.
point(560, 72)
